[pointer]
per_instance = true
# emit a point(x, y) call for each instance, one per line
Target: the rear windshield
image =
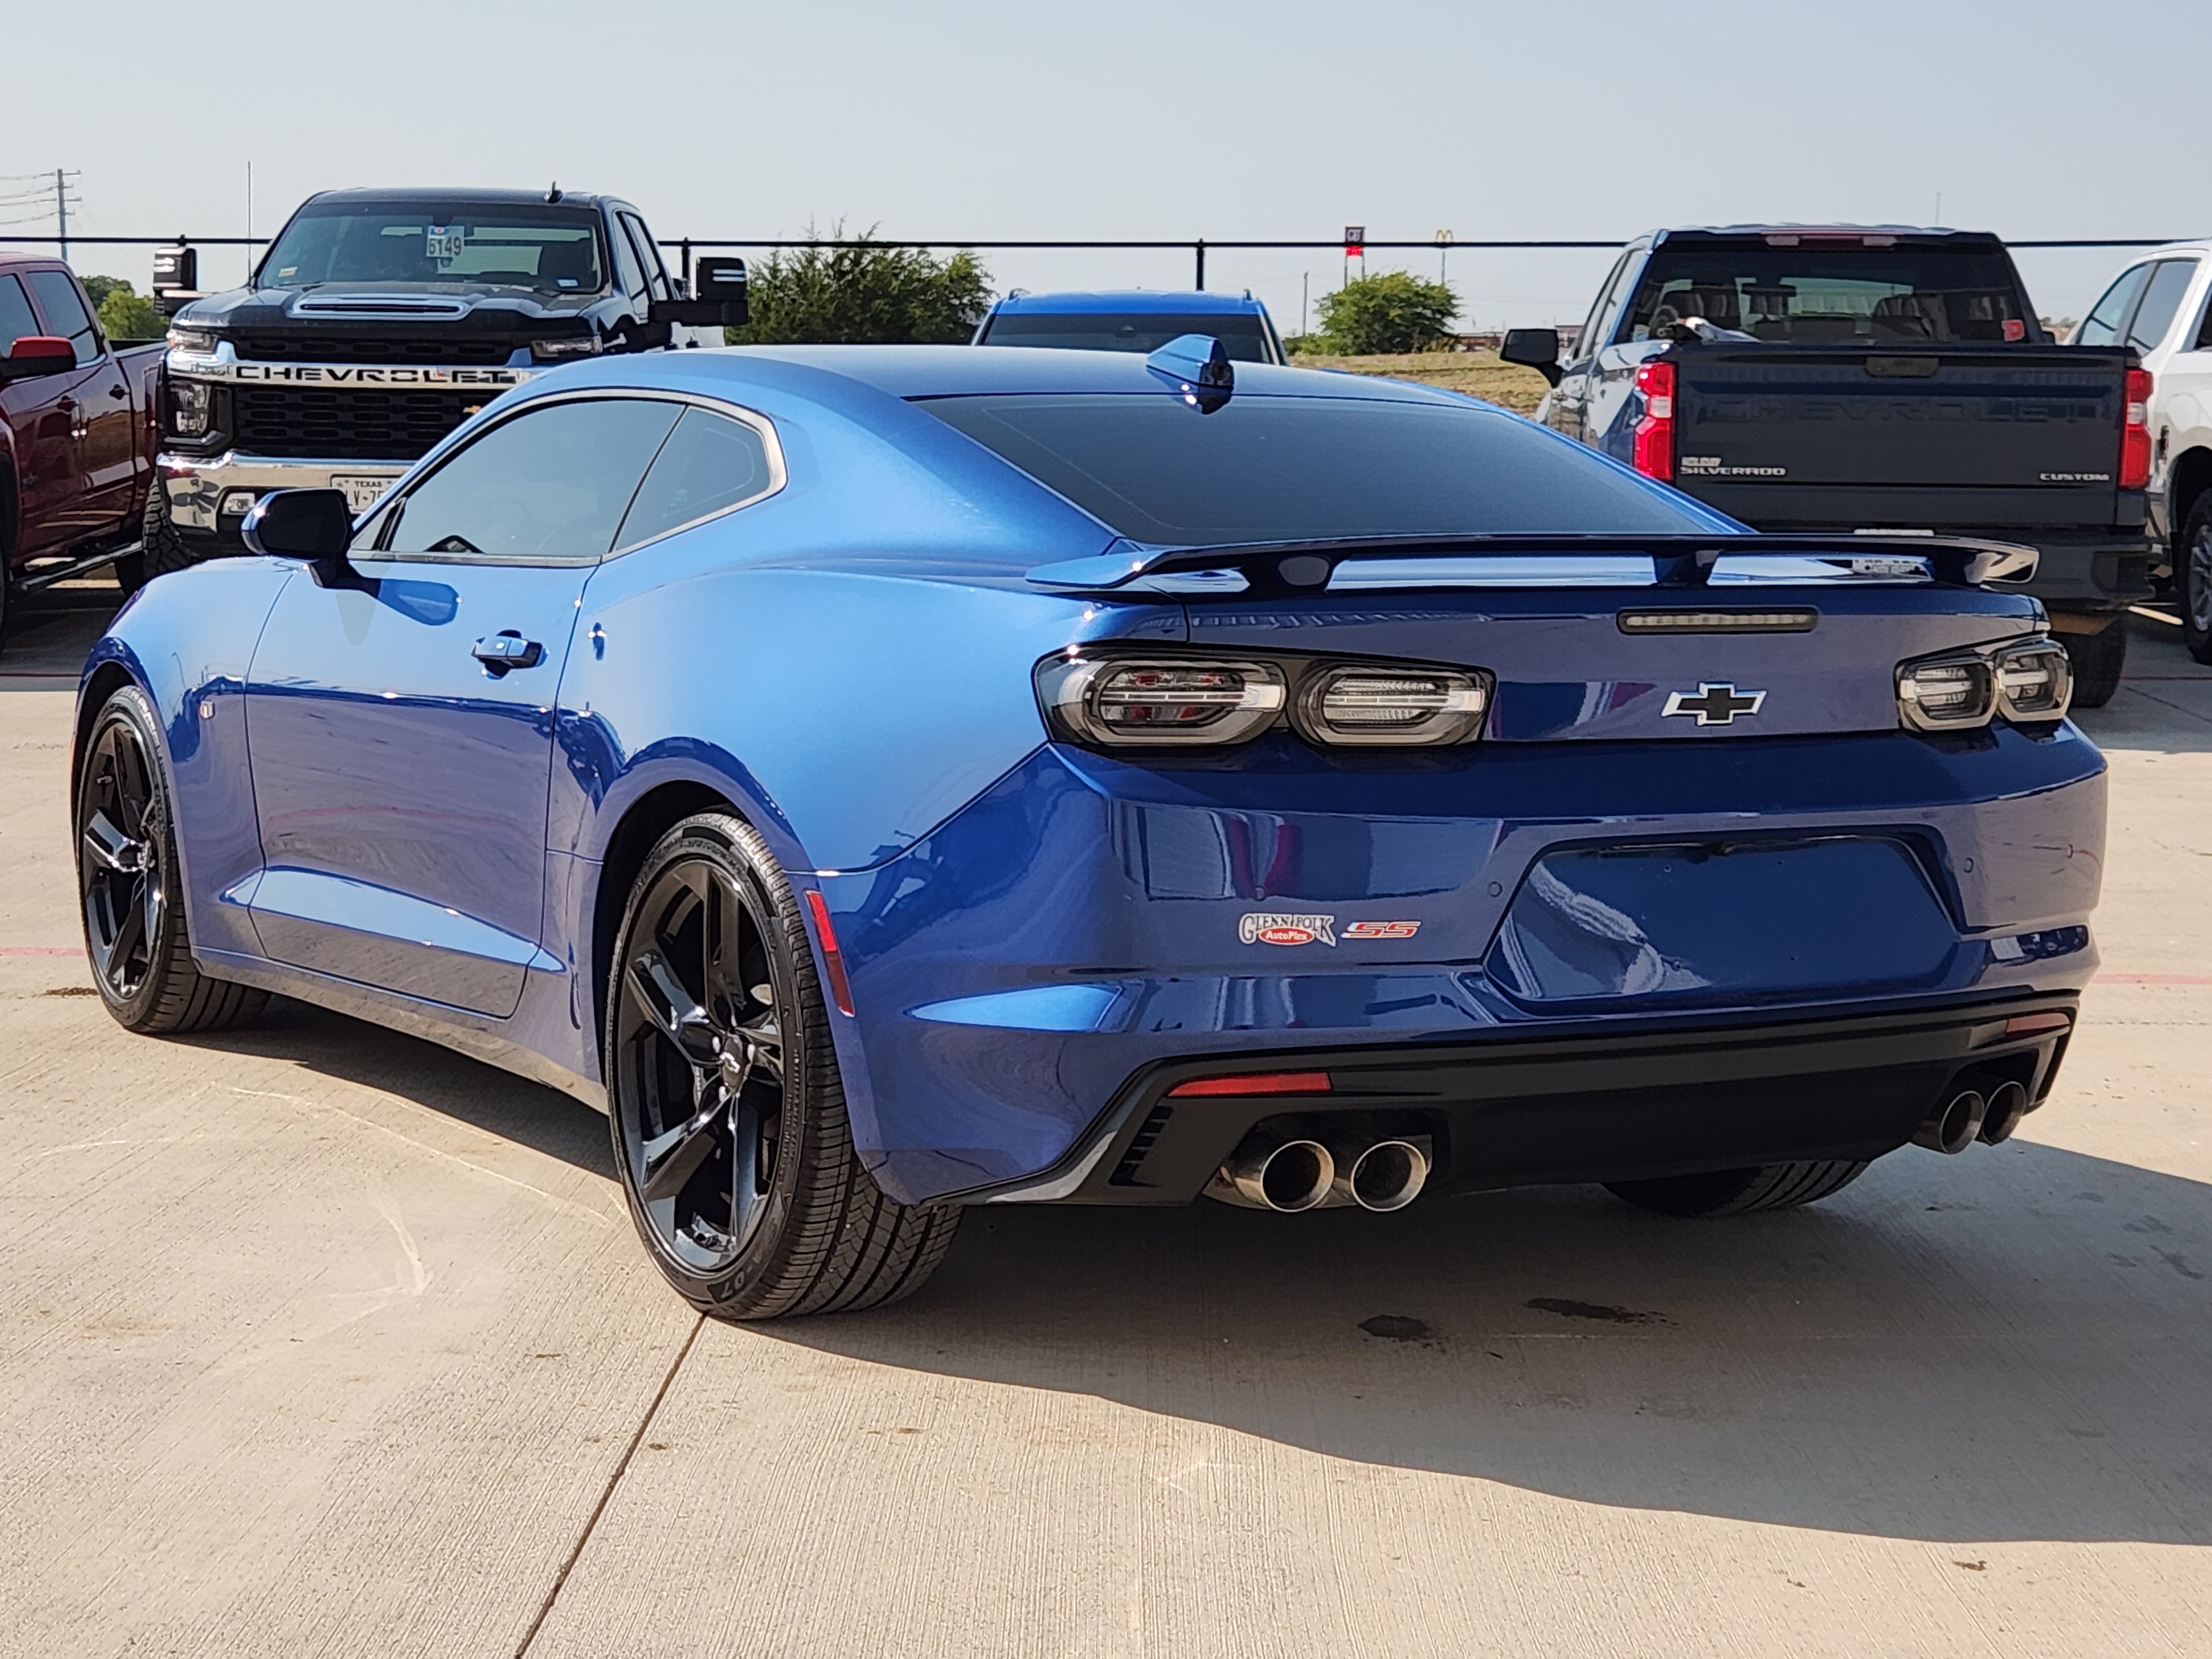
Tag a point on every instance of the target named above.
point(548, 249)
point(1242, 337)
point(1831, 291)
point(1263, 469)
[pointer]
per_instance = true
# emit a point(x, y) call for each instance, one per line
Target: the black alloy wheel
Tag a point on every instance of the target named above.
point(2192, 579)
point(126, 858)
point(727, 1116)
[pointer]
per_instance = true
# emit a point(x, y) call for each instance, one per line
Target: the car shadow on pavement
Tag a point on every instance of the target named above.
point(439, 1079)
point(2010, 1345)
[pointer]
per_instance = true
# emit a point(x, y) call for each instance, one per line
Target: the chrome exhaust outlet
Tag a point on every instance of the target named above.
point(1285, 1176)
point(1952, 1129)
point(1385, 1176)
point(2007, 1104)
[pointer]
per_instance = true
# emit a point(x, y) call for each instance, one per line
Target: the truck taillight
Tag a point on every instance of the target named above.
point(2135, 432)
point(1654, 432)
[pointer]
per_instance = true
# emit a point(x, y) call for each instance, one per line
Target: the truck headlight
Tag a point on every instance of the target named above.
point(190, 402)
point(199, 340)
point(578, 345)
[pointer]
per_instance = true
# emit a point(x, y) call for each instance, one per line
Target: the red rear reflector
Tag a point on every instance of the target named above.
point(2028, 1024)
point(2135, 432)
point(840, 989)
point(1258, 1082)
point(1654, 432)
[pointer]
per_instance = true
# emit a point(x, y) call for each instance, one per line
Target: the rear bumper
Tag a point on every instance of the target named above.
point(1588, 1108)
point(2094, 573)
point(208, 496)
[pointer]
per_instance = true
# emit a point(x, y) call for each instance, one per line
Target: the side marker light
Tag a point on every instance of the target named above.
point(1258, 1083)
point(840, 989)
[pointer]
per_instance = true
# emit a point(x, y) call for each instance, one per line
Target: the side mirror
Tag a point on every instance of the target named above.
point(315, 525)
point(1534, 348)
point(34, 354)
point(719, 301)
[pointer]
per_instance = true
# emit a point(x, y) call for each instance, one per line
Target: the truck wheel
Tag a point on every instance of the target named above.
point(729, 1117)
point(2192, 579)
point(2097, 659)
point(127, 881)
point(164, 548)
point(1740, 1191)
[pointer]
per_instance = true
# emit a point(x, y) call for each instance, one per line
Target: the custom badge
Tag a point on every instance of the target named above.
point(1714, 705)
point(1271, 927)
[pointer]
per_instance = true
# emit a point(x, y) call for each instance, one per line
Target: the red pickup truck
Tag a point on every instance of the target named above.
point(79, 426)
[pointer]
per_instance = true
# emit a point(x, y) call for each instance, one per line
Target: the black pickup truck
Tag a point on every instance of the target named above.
point(378, 321)
point(1803, 379)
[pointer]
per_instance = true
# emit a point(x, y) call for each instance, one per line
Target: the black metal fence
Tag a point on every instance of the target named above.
point(685, 246)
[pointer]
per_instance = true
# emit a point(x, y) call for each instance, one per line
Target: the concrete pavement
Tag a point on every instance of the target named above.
point(315, 1338)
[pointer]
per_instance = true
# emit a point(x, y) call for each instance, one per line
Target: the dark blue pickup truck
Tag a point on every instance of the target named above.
point(1870, 378)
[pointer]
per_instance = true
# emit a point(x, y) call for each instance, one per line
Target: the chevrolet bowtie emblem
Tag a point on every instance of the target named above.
point(1714, 705)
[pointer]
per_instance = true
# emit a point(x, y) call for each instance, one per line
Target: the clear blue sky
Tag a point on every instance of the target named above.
point(1215, 118)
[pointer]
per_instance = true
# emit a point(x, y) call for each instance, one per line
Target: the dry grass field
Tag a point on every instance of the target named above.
point(1478, 374)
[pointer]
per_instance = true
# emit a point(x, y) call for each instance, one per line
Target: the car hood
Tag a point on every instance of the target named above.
point(498, 310)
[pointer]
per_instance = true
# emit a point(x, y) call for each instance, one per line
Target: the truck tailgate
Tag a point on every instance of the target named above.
point(1912, 436)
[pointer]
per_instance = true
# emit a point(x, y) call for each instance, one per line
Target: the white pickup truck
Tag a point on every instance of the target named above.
point(2159, 305)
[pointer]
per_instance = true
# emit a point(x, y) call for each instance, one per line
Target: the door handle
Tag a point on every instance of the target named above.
point(507, 650)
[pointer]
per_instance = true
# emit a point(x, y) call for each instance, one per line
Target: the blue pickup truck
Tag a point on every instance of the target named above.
point(1840, 379)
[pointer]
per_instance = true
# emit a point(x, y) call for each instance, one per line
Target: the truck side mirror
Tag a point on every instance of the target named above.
point(34, 354)
point(718, 287)
point(315, 525)
point(1534, 348)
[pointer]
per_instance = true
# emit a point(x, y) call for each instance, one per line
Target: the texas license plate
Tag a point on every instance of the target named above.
point(361, 494)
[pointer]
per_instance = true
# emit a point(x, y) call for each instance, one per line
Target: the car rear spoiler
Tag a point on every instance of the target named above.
point(1369, 563)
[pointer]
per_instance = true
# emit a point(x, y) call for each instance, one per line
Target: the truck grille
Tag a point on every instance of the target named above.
point(317, 348)
point(345, 424)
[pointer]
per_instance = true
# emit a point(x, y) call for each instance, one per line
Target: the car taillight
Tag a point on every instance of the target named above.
point(2035, 682)
point(1947, 693)
point(2030, 681)
point(1655, 432)
point(1124, 702)
point(2135, 432)
point(1356, 703)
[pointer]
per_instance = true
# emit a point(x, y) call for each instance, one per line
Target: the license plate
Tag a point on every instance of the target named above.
point(361, 494)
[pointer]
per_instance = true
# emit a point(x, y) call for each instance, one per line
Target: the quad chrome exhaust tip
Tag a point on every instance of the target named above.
point(1287, 1175)
point(1385, 1176)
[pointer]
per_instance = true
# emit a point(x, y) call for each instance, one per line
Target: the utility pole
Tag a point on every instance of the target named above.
point(61, 210)
point(1306, 297)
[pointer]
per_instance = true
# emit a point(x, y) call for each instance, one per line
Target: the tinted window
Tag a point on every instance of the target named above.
point(1589, 339)
point(1832, 290)
point(2102, 326)
point(1279, 468)
point(656, 274)
point(629, 275)
point(16, 318)
point(2162, 296)
point(549, 485)
point(1240, 336)
point(709, 462)
point(464, 244)
point(65, 312)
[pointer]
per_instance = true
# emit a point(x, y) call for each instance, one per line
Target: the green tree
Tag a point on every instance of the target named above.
point(863, 294)
point(1394, 311)
point(125, 313)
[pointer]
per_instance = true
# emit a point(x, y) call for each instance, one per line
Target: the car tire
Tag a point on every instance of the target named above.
point(2192, 579)
point(1740, 1191)
point(130, 895)
point(726, 1111)
point(164, 548)
point(2097, 659)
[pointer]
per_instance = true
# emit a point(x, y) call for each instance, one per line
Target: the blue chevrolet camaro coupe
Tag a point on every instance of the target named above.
point(888, 779)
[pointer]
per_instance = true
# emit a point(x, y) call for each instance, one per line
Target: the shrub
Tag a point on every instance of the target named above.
point(1394, 311)
point(125, 313)
point(863, 294)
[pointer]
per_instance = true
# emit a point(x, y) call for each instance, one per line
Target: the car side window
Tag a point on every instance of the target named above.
point(656, 274)
point(1589, 343)
point(628, 272)
point(709, 464)
point(16, 317)
point(2103, 323)
point(66, 313)
point(547, 487)
point(2161, 299)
